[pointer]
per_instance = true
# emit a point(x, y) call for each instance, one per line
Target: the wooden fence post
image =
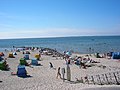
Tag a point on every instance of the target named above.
point(93, 80)
point(107, 78)
point(100, 80)
point(116, 79)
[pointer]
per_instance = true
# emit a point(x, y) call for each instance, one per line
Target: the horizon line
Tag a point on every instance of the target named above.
point(59, 37)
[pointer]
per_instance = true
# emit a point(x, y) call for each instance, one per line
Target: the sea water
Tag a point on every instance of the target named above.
point(82, 44)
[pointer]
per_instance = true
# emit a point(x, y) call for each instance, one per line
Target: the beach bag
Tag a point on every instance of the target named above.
point(34, 61)
point(21, 71)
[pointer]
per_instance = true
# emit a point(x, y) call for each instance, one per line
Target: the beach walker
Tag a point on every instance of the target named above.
point(21, 71)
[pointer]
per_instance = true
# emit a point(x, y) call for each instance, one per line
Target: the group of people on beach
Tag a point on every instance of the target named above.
point(80, 61)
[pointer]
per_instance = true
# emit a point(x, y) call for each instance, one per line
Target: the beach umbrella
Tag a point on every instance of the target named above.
point(68, 53)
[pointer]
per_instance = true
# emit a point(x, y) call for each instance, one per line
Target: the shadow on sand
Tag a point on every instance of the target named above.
point(28, 76)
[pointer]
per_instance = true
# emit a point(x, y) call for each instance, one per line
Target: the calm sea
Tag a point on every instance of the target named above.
point(83, 44)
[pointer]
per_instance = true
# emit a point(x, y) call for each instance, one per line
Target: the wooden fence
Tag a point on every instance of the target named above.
point(101, 79)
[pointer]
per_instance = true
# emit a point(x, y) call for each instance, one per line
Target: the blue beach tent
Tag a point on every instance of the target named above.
point(116, 55)
point(21, 71)
point(34, 61)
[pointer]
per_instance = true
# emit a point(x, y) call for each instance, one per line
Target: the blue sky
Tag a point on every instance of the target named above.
point(58, 18)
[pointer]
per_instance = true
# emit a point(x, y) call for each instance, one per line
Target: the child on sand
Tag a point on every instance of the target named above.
point(51, 66)
point(58, 73)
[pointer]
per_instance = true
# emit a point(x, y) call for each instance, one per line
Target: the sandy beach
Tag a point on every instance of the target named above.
point(59, 44)
point(44, 78)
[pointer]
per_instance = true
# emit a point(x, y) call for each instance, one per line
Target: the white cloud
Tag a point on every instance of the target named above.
point(12, 31)
point(55, 32)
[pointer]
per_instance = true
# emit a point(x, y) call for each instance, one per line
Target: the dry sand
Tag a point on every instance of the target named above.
point(44, 78)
